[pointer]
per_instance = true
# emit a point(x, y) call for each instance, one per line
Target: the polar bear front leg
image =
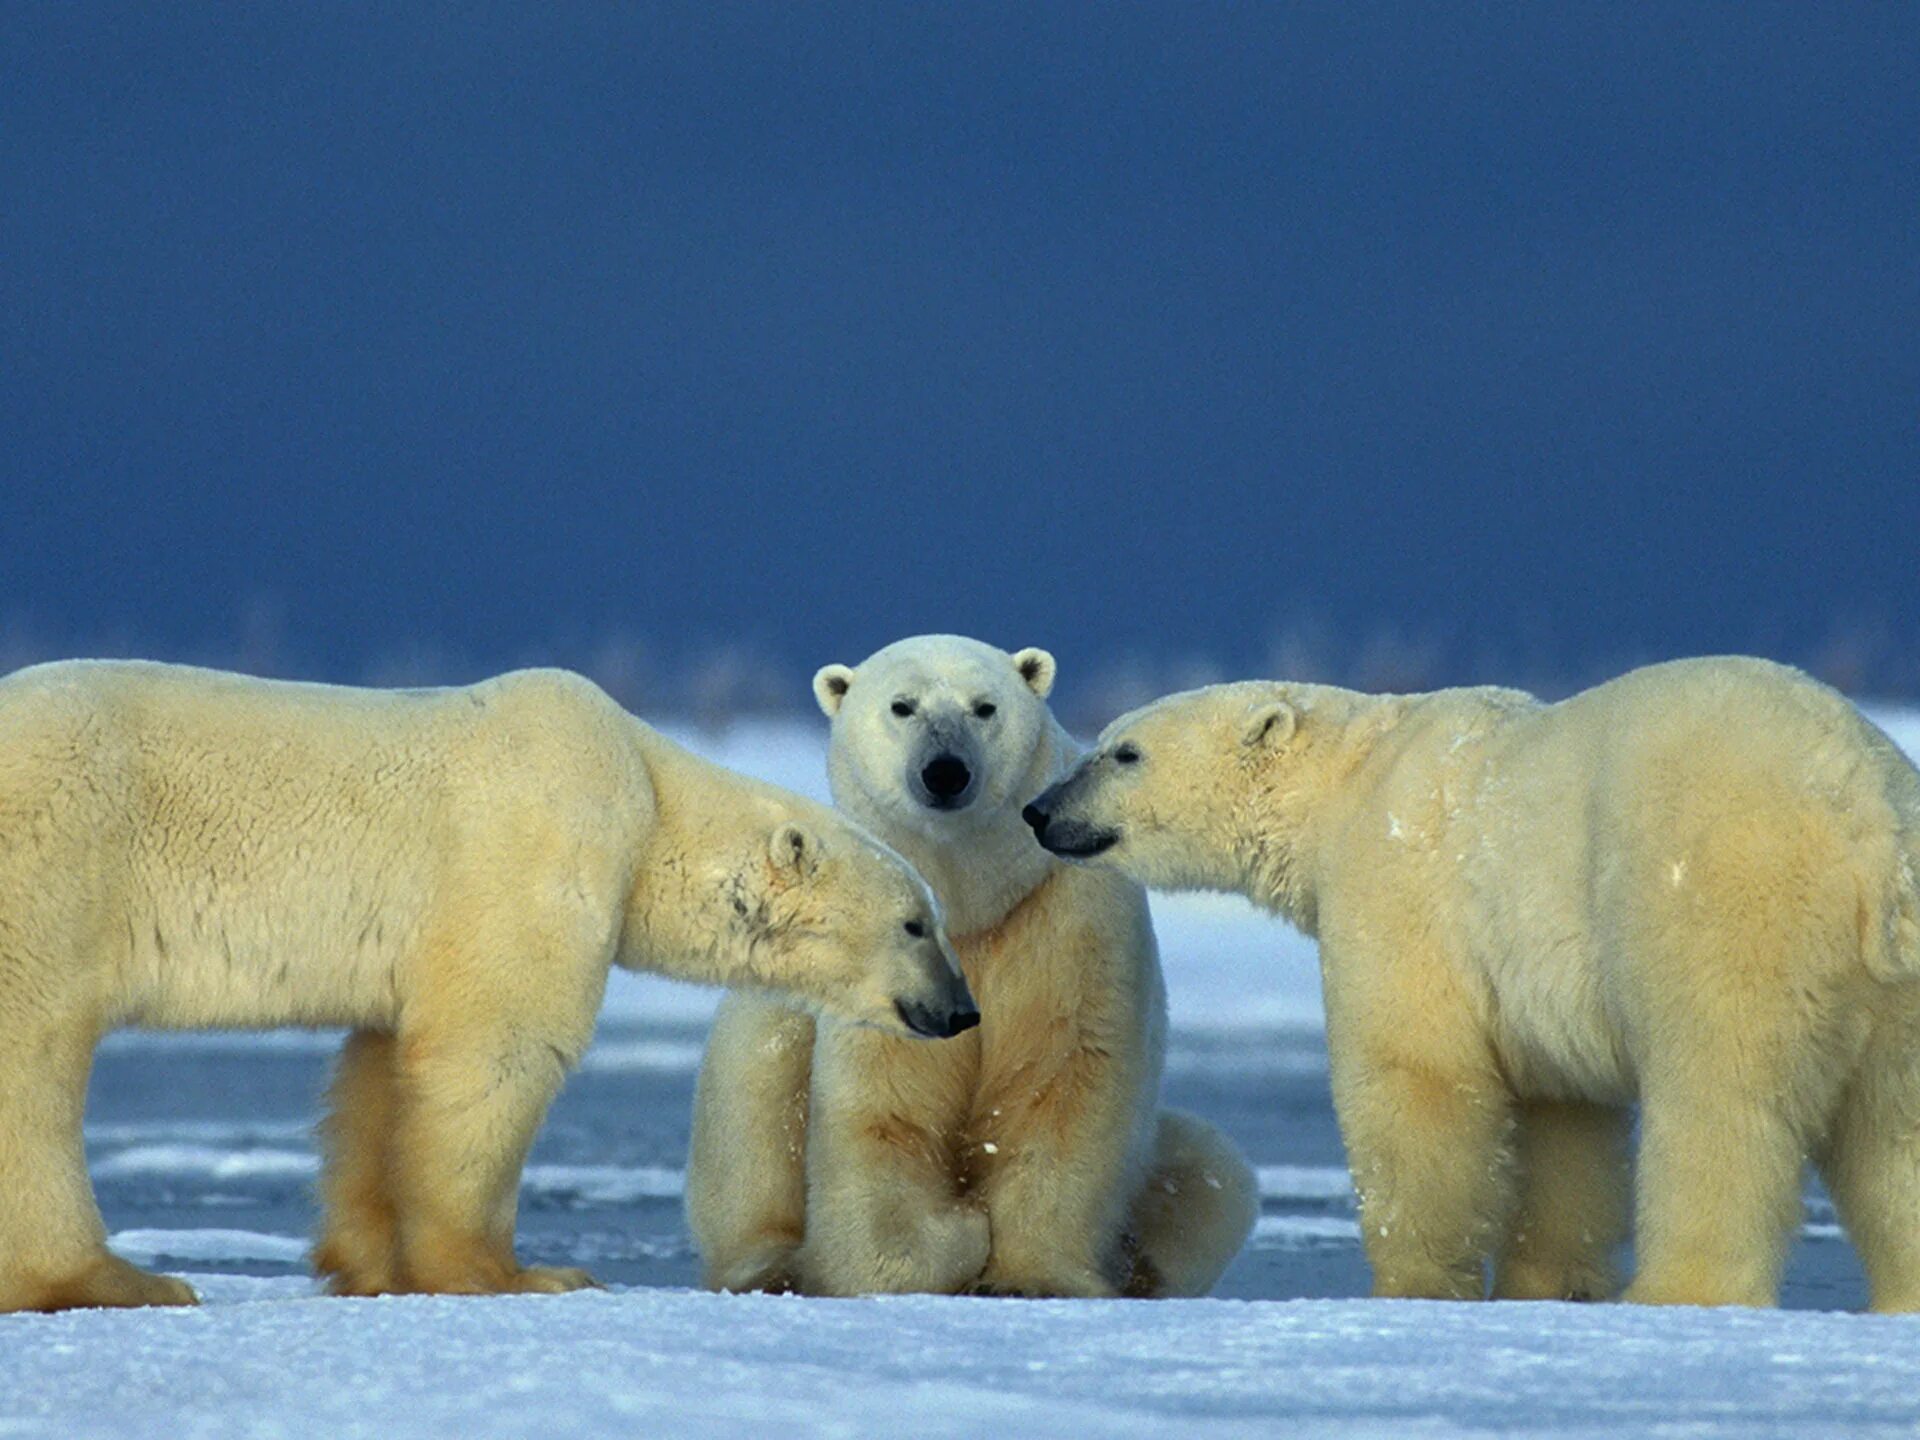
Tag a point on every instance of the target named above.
point(470, 1105)
point(487, 1034)
point(882, 1216)
point(1575, 1203)
point(1428, 1125)
point(884, 1213)
point(1059, 1180)
point(747, 1157)
point(357, 1250)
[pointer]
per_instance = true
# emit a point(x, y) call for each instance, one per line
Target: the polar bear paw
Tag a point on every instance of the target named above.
point(770, 1269)
point(107, 1282)
point(553, 1280)
point(1541, 1279)
point(1080, 1283)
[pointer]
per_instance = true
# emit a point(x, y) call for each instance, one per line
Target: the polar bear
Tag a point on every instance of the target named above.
point(450, 872)
point(1027, 1158)
point(1694, 886)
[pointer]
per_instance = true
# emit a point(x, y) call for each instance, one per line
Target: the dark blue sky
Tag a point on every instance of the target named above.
point(1545, 337)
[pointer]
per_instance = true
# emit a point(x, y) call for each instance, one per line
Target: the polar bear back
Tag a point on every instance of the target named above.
point(1619, 785)
point(178, 800)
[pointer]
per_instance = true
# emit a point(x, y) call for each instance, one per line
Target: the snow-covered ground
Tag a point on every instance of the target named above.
point(264, 1357)
point(201, 1149)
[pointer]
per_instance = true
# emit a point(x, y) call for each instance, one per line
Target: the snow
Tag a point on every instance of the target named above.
point(269, 1356)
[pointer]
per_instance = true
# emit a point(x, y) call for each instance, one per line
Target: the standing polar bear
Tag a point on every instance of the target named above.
point(1029, 1157)
point(1695, 885)
point(451, 872)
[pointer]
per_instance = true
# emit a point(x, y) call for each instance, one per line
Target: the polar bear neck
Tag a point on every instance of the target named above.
point(980, 879)
point(1275, 836)
point(981, 864)
point(706, 821)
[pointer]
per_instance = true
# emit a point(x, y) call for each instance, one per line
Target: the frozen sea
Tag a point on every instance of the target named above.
point(201, 1148)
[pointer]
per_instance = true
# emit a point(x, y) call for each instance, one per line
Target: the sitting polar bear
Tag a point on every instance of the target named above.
point(448, 871)
point(1029, 1157)
point(1695, 885)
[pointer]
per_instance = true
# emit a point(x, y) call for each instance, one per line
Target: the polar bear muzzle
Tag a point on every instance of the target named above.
point(943, 1025)
point(1062, 832)
point(944, 771)
point(946, 782)
point(943, 1009)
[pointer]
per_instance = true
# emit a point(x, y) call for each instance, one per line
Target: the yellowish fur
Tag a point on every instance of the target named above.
point(449, 872)
point(1026, 1157)
point(1693, 887)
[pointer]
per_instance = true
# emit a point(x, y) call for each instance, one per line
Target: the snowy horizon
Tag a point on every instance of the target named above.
point(731, 682)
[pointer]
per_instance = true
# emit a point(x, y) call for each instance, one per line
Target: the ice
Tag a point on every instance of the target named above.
point(650, 1054)
point(1304, 1182)
point(597, 1184)
point(1282, 1230)
point(1902, 726)
point(209, 1161)
point(162, 1247)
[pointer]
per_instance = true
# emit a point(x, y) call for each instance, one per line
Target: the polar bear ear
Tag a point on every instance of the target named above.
point(1036, 667)
point(794, 847)
point(1272, 723)
point(830, 686)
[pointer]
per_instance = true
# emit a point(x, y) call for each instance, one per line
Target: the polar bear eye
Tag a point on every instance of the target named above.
point(985, 709)
point(915, 929)
point(1127, 754)
point(903, 708)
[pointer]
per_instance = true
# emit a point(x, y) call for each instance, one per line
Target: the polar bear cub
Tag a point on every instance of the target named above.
point(1694, 886)
point(1029, 1157)
point(450, 872)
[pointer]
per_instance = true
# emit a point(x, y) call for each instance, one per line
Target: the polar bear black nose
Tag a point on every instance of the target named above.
point(946, 776)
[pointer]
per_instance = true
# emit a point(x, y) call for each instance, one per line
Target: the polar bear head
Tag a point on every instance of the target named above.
point(832, 915)
point(1206, 790)
point(938, 731)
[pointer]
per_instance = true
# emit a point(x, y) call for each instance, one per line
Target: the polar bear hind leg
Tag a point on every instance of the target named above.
point(1574, 1205)
point(1194, 1212)
point(1747, 993)
point(1872, 1163)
